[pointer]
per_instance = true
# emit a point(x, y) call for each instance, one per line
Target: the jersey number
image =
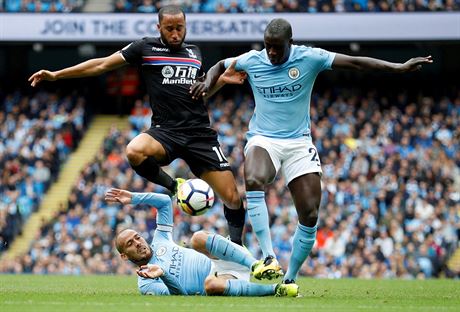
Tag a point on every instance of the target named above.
point(219, 153)
point(315, 155)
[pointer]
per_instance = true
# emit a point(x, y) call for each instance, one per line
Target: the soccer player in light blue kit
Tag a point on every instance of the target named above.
point(215, 265)
point(282, 77)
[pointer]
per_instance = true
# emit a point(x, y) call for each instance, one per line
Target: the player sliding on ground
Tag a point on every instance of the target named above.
point(215, 265)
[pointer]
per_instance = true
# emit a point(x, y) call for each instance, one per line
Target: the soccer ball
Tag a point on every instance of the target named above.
point(195, 197)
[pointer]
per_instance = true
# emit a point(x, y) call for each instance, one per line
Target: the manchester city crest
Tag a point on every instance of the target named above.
point(293, 73)
point(160, 251)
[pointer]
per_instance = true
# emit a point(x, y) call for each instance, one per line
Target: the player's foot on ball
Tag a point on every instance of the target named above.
point(286, 290)
point(178, 181)
point(268, 268)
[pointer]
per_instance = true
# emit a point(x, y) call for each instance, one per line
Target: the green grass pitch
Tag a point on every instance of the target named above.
point(119, 293)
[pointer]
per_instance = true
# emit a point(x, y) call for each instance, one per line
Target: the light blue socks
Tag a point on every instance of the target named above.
point(258, 215)
point(304, 239)
point(237, 287)
point(224, 249)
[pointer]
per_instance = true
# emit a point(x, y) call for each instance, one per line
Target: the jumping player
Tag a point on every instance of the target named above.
point(180, 124)
point(215, 265)
point(279, 137)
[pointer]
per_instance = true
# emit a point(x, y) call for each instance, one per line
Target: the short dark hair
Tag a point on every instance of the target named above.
point(279, 27)
point(169, 10)
point(118, 244)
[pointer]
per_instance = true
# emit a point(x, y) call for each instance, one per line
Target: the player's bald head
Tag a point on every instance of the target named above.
point(121, 238)
point(132, 246)
point(279, 28)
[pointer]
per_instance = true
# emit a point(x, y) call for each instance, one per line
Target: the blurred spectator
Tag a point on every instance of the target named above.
point(122, 6)
point(140, 116)
point(147, 6)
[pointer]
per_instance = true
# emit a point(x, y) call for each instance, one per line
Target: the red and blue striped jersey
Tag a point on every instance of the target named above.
point(168, 75)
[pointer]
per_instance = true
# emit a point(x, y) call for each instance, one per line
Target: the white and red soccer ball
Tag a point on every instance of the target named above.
point(195, 197)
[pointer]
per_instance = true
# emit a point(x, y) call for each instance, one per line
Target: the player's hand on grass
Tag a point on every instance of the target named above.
point(415, 63)
point(118, 196)
point(150, 271)
point(231, 76)
point(40, 76)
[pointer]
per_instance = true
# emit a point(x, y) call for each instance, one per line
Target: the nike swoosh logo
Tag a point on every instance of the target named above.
point(225, 251)
point(257, 76)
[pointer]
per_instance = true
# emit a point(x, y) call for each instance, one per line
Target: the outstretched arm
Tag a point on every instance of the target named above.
point(161, 202)
point(212, 76)
point(216, 78)
point(92, 67)
point(344, 61)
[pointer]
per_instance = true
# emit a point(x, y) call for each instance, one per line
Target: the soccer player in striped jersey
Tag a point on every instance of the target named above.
point(180, 125)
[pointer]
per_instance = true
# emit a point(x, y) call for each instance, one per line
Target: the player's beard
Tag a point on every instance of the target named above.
point(172, 47)
point(145, 259)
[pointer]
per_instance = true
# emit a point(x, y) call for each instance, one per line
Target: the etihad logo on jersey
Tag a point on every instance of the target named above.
point(175, 264)
point(279, 91)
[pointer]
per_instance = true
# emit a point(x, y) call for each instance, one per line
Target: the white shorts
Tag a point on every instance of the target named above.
point(222, 267)
point(295, 157)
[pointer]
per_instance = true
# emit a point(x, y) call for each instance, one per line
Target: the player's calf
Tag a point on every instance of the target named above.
point(214, 286)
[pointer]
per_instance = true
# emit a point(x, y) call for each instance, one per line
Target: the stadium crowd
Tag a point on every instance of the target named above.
point(238, 6)
point(289, 6)
point(38, 133)
point(390, 205)
point(41, 6)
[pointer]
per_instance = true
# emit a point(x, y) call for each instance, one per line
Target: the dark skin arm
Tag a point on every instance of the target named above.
point(229, 76)
point(342, 61)
point(216, 77)
point(92, 67)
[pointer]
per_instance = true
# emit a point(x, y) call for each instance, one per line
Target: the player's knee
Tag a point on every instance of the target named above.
point(133, 154)
point(254, 182)
point(309, 215)
point(214, 286)
point(198, 240)
point(232, 199)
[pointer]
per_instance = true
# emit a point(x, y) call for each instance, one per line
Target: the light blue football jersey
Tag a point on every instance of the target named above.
point(185, 269)
point(282, 92)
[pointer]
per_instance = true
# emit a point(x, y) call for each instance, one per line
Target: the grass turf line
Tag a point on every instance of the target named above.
point(109, 293)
